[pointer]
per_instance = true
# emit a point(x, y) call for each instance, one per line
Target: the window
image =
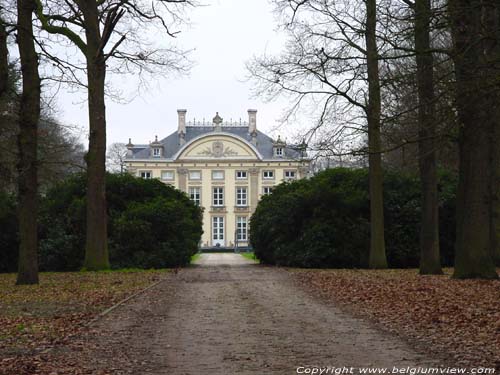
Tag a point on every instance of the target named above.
point(241, 196)
point(156, 152)
point(218, 230)
point(167, 175)
point(268, 175)
point(290, 175)
point(195, 175)
point(241, 175)
point(218, 197)
point(217, 175)
point(146, 174)
point(241, 228)
point(279, 151)
point(266, 190)
point(194, 195)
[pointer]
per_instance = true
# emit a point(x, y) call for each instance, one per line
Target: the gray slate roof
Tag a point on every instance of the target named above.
point(171, 144)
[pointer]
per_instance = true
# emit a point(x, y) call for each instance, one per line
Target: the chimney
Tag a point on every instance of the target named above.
point(129, 146)
point(181, 130)
point(252, 122)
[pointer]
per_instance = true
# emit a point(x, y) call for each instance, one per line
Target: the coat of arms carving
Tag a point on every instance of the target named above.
point(218, 151)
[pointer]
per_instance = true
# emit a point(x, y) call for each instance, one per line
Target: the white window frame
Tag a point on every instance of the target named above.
point(290, 177)
point(241, 196)
point(192, 175)
point(143, 174)
point(241, 228)
point(243, 175)
point(195, 195)
point(279, 151)
point(218, 229)
point(269, 190)
point(156, 152)
point(168, 179)
point(218, 196)
point(215, 172)
point(269, 173)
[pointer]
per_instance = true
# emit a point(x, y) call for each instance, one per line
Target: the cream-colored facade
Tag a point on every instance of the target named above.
point(224, 167)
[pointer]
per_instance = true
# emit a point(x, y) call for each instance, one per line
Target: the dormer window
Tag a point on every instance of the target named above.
point(279, 148)
point(156, 148)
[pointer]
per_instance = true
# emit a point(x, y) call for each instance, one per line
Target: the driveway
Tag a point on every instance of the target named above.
point(231, 316)
point(222, 259)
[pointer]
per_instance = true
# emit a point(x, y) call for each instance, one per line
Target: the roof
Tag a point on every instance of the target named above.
point(171, 144)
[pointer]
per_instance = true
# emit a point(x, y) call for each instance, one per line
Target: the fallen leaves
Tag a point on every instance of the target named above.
point(459, 318)
point(37, 318)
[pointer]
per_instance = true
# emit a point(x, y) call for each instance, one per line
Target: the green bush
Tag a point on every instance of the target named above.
point(324, 221)
point(8, 233)
point(150, 224)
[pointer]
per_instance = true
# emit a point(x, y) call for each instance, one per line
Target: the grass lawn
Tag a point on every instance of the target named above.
point(34, 317)
point(249, 255)
point(459, 318)
point(195, 257)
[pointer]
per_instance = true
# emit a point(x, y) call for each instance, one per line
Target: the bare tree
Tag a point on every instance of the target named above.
point(491, 41)
point(331, 63)
point(378, 258)
point(475, 66)
point(430, 262)
point(4, 58)
point(29, 115)
point(117, 153)
point(103, 31)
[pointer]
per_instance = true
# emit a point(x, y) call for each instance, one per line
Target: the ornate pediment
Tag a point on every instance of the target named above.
point(220, 147)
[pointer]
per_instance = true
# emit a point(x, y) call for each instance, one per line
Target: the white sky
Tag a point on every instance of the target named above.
point(225, 34)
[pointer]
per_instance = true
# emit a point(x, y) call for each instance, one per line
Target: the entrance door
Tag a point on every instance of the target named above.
point(218, 231)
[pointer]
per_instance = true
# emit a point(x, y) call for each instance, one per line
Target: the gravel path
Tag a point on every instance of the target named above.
point(238, 318)
point(222, 259)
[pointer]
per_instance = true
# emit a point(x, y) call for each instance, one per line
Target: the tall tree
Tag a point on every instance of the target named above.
point(331, 62)
point(117, 154)
point(99, 22)
point(491, 42)
point(29, 115)
point(474, 199)
point(378, 258)
point(429, 230)
point(4, 58)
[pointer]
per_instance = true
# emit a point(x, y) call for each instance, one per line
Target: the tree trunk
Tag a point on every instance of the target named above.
point(473, 251)
point(29, 115)
point(491, 40)
point(495, 186)
point(4, 59)
point(377, 242)
point(430, 263)
point(96, 250)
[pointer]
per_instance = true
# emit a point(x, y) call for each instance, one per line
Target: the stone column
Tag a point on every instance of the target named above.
point(182, 175)
point(254, 188)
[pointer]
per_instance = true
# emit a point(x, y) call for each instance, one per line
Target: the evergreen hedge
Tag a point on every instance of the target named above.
point(323, 222)
point(150, 224)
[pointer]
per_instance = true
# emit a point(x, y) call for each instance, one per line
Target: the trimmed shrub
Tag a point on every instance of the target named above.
point(324, 221)
point(155, 234)
point(150, 224)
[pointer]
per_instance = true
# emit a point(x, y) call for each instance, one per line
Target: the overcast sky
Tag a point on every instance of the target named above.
point(224, 34)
